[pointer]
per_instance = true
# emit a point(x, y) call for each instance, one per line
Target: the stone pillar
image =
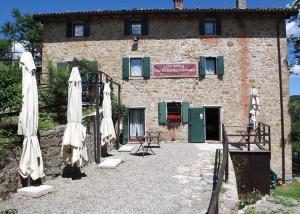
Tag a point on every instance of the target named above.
point(178, 4)
point(241, 4)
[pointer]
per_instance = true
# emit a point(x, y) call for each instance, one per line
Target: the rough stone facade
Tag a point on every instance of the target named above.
point(9, 174)
point(248, 44)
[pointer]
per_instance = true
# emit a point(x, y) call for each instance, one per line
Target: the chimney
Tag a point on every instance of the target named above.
point(178, 4)
point(241, 4)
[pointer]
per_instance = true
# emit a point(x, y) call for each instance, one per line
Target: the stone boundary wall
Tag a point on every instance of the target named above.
point(50, 142)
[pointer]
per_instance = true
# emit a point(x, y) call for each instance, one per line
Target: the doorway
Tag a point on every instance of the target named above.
point(136, 123)
point(212, 123)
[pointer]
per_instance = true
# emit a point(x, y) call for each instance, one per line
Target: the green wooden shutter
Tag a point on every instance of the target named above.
point(220, 65)
point(86, 29)
point(69, 30)
point(125, 66)
point(185, 112)
point(201, 27)
point(202, 66)
point(62, 65)
point(162, 113)
point(146, 68)
point(218, 27)
point(125, 132)
point(127, 27)
point(145, 28)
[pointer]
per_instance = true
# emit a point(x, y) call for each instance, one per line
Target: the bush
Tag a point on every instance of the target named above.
point(10, 87)
point(56, 93)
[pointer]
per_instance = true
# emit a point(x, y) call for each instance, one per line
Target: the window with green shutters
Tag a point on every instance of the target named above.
point(136, 67)
point(62, 65)
point(136, 27)
point(211, 65)
point(177, 112)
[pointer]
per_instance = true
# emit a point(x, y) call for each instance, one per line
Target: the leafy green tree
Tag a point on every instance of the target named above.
point(5, 47)
point(25, 30)
point(293, 36)
point(295, 116)
point(10, 87)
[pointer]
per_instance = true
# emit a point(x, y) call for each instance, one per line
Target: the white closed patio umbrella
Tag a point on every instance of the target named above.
point(254, 106)
point(31, 162)
point(107, 127)
point(74, 149)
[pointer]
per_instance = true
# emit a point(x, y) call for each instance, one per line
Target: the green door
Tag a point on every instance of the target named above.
point(196, 125)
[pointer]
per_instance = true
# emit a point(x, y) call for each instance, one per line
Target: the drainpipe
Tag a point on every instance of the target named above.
point(281, 102)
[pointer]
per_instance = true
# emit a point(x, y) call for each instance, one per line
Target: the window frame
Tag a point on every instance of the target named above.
point(141, 30)
point(130, 70)
point(215, 65)
point(74, 25)
point(167, 111)
point(214, 22)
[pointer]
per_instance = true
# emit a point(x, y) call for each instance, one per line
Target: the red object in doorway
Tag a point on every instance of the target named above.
point(174, 118)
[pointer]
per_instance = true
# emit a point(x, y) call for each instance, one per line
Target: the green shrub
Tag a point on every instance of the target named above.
point(10, 87)
point(56, 92)
point(249, 199)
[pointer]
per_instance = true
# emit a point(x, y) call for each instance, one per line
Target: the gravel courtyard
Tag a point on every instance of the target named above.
point(178, 179)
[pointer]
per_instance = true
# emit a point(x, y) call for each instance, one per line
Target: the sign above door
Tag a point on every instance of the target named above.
point(177, 70)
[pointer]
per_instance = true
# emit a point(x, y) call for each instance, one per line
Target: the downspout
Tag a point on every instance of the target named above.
point(281, 102)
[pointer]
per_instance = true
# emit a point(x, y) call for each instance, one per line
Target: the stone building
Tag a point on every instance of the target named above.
point(176, 63)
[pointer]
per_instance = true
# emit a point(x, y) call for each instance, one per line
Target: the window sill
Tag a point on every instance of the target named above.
point(210, 36)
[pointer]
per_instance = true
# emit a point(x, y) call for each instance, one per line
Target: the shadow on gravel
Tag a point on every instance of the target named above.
point(73, 172)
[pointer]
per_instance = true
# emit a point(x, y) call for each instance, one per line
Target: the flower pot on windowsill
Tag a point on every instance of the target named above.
point(174, 118)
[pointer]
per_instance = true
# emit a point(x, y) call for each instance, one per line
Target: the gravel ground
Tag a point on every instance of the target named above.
point(169, 182)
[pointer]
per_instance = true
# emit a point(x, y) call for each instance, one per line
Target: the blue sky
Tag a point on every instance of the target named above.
point(44, 6)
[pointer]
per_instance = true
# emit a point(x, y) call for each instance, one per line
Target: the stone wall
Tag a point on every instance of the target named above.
point(249, 47)
point(50, 143)
point(9, 175)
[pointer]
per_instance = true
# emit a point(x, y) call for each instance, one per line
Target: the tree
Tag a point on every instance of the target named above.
point(26, 31)
point(5, 48)
point(293, 36)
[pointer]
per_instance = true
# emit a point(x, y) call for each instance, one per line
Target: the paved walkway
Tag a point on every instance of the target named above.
point(178, 179)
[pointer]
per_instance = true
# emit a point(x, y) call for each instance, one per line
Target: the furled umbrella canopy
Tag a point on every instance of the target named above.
point(254, 106)
point(74, 150)
point(31, 162)
point(107, 127)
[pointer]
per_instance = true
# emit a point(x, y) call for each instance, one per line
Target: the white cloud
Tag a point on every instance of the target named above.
point(292, 28)
point(295, 69)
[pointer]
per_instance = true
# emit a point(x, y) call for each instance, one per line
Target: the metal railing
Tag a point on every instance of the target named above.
point(259, 135)
point(220, 170)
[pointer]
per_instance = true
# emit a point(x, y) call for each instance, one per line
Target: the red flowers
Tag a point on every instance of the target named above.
point(174, 118)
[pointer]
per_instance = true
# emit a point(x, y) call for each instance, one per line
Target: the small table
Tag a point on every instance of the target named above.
point(145, 145)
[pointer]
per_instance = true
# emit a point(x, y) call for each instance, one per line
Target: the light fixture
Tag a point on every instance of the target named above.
point(135, 38)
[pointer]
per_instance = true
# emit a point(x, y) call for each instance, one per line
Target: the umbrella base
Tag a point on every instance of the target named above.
point(110, 164)
point(36, 191)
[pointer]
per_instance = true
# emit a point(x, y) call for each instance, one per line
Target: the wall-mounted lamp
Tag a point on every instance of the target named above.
point(135, 43)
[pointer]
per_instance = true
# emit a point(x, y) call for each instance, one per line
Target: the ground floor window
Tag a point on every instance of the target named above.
point(136, 123)
point(174, 112)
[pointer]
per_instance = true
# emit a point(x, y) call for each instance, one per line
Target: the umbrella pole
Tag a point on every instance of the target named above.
point(97, 121)
point(28, 181)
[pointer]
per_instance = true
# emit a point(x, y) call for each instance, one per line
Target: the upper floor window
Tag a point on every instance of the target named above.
point(210, 27)
point(210, 65)
point(135, 27)
point(136, 67)
point(78, 29)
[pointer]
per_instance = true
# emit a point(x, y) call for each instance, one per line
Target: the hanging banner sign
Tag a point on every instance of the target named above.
point(179, 70)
